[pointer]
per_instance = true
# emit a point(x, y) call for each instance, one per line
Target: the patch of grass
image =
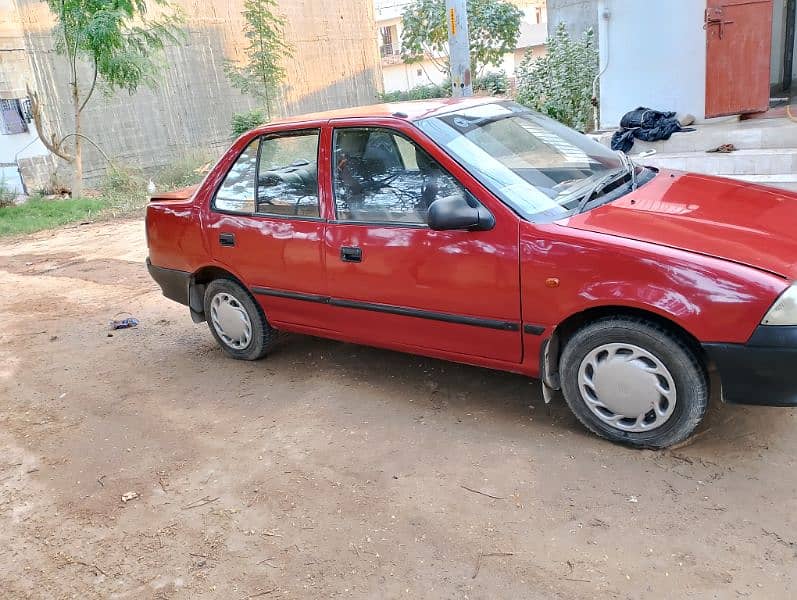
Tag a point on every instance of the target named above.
point(184, 171)
point(124, 191)
point(38, 213)
point(6, 195)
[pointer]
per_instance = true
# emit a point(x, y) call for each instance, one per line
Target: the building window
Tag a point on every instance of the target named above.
point(12, 117)
point(388, 37)
point(538, 14)
point(27, 110)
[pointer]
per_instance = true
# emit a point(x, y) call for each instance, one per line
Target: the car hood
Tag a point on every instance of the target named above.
point(740, 222)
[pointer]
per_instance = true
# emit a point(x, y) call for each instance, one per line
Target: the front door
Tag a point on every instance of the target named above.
point(393, 281)
point(738, 47)
point(265, 226)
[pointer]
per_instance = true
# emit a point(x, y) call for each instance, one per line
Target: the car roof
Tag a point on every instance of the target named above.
point(411, 110)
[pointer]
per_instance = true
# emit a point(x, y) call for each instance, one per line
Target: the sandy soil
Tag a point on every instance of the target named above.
point(330, 470)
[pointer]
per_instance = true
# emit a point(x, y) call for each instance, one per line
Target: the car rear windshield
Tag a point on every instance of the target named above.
point(536, 165)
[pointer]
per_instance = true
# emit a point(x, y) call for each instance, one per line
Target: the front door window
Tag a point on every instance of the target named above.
point(382, 177)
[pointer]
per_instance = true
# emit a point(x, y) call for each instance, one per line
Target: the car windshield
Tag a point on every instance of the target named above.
point(539, 167)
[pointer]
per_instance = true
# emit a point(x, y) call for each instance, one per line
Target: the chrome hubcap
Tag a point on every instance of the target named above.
point(230, 321)
point(627, 387)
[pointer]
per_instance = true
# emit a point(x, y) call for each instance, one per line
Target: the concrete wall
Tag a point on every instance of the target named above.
point(655, 54)
point(335, 64)
point(577, 15)
point(14, 67)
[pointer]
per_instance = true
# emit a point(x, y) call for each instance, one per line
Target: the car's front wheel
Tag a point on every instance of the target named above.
point(634, 382)
point(237, 321)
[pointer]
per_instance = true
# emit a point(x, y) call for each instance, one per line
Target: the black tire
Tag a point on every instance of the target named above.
point(263, 336)
point(684, 365)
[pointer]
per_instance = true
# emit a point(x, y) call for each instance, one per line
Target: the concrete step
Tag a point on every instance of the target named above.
point(745, 135)
point(784, 182)
point(760, 162)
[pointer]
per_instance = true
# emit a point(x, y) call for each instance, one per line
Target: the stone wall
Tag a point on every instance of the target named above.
point(38, 173)
point(335, 64)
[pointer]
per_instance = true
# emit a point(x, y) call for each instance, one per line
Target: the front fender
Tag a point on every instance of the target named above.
point(712, 299)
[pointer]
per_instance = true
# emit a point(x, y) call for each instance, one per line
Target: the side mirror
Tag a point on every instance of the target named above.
point(459, 212)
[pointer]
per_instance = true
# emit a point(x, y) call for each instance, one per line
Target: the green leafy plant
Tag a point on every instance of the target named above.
point(261, 73)
point(559, 84)
point(495, 83)
point(124, 46)
point(493, 25)
point(246, 121)
point(420, 92)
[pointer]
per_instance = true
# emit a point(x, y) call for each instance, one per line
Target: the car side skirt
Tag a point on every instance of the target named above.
point(395, 310)
point(465, 359)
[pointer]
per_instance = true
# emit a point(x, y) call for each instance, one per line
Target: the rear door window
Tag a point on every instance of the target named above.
point(275, 175)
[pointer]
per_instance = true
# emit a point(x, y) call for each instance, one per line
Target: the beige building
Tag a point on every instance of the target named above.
point(335, 63)
point(400, 76)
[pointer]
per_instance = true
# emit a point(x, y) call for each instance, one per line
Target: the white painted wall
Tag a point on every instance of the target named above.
point(778, 40)
point(655, 55)
point(402, 77)
point(12, 147)
point(779, 43)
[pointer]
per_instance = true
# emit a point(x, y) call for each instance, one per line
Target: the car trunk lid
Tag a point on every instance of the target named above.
point(185, 193)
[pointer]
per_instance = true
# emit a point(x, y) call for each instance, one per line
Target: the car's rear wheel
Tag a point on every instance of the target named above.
point(635, 382)
point(237, 321)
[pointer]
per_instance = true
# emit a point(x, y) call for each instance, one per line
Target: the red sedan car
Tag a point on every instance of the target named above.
point(481, 232)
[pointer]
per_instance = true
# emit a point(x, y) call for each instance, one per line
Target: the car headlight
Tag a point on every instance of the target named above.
point(784, 311)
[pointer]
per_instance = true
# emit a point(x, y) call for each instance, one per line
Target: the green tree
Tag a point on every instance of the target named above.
point(123, 46)
point(493, 25)
point(262, 73)
point(559, 84)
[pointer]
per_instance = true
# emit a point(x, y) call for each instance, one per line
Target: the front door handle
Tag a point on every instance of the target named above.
point(349, 254)
point(227, 239)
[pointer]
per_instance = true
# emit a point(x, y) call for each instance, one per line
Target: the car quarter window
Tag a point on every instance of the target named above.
point(380, 176)
point(275, 175)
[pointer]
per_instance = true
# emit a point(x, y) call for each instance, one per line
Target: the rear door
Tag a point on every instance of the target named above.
point(738, 47)
point(265, 225)
point(392, 280)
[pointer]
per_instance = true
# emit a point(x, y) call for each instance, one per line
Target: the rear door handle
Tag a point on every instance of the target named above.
point(349, 254)
point(227, 239)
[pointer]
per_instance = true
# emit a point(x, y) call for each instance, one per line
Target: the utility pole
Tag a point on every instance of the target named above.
point(459, 48)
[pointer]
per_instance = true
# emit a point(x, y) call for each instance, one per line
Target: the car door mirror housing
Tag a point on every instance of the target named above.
point(459, 212)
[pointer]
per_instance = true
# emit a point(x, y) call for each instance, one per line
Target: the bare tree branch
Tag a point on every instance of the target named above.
point(91, 90)
point(49, 141)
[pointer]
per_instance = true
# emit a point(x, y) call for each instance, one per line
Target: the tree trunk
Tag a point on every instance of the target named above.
point(77, 164)
point(268, 105)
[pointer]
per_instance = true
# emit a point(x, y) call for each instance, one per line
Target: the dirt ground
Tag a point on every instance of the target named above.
point(330, 470)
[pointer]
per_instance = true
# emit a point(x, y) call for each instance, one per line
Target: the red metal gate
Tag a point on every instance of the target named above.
point(738, 47)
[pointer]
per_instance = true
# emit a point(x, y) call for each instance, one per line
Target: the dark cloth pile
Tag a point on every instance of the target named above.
point(647, 125)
